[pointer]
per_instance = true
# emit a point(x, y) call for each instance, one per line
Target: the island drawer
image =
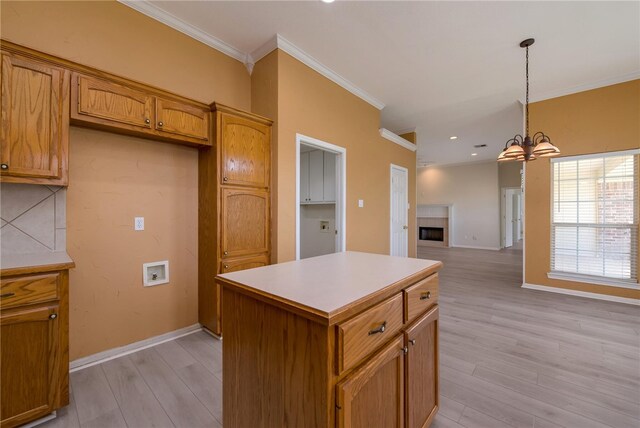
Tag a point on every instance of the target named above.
point(28, 289)
point(364, 333)
point(419, 297)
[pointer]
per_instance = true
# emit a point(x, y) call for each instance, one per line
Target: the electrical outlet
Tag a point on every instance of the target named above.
point(138, 223)
point(360, 203)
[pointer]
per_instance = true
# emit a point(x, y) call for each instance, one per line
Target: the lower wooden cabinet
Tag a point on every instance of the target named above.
point(34, 356)
point(373, 395)
point(421, 339)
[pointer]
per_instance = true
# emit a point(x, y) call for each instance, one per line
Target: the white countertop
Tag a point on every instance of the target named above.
point(331, 282)
point(13, 261)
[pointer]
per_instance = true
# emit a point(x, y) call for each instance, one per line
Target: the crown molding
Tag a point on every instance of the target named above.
point(288, 47)
point(585, 87)
point(151, 10)
point(264, 50)
point(385, 133)
point(406, 131)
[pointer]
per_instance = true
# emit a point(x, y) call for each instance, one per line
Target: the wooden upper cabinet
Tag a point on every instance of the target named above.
point(182, 119)
point(34, 139)
point(105, 102)
point(373, 395)
point(245, 152)
point(29, 364)
point(422, 370)
point(245, 222)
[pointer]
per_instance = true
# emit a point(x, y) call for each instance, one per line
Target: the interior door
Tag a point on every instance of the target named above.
point(399, 211)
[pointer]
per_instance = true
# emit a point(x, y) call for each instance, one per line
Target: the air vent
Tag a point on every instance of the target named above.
point(479, 146)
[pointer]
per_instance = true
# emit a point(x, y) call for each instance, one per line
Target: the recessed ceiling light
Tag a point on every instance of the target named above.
point(453, 137)
point(474, 154)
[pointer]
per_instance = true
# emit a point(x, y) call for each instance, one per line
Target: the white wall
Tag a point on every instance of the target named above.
point(313, 241)
point(471, 189)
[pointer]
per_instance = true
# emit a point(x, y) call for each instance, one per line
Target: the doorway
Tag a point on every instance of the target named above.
point(320, 197)
point(399, 178)
point(511, 216)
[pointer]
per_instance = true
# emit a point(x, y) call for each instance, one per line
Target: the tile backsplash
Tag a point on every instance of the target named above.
point(33, 218)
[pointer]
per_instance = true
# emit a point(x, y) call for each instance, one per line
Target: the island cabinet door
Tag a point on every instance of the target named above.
point(422, 370)
point(373, 395)
point(29, 360)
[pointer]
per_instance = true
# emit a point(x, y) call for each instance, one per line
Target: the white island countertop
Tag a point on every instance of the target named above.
point(326, 286)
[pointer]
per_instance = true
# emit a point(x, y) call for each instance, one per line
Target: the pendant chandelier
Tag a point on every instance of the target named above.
point(528, 148)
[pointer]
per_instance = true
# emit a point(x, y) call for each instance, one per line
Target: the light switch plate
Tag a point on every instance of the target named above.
point(360, 203)
point(138, 223)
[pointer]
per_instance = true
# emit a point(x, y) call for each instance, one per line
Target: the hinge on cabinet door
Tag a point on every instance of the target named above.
point(338, 407)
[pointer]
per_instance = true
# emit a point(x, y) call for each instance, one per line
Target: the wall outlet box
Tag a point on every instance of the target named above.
point(138, 223)
point(155, 273)
point(360, 203)
point(324, 226)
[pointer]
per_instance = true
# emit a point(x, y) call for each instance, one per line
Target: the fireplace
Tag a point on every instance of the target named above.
point(431, 234)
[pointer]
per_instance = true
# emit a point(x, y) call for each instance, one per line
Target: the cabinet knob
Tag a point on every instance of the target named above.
point(160, 123)
point(405, 350)
point(147, 120)
point(225, 253)
point(412, 342)
point(226, 266)
point(53, 316)
point(225, 178)
point(4, 166)
point(425, 296)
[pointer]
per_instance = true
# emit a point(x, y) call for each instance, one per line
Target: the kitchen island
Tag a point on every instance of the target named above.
point(347, 339)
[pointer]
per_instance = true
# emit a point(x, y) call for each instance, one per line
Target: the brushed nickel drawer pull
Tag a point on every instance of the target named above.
point(412, 342)
point(4, 295)
point(425, 296)
point(380, 329)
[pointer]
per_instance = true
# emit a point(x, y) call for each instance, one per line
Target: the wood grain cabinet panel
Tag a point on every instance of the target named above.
point(245, 152)
point(35, 121)
point(420, 297)
point(29, 364)
point(422, 370)
point(28, 290)
point(373, 395)
point(182, 119)
point(363, 334)
point(245, 216)
point(106, 102)
point(242, 263)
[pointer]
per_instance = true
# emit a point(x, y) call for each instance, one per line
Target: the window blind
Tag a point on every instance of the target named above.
point(594, 230)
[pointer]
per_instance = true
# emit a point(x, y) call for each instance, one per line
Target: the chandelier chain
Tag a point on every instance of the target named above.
point(527, 101)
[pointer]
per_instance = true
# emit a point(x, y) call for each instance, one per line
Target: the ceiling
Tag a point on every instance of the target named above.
point(443, 68)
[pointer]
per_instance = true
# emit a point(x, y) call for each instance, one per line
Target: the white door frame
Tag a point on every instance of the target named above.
point(341, 188)
point(405, 170)
point(503, 214)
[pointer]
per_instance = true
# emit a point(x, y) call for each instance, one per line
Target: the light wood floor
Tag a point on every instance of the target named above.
point(509, 358)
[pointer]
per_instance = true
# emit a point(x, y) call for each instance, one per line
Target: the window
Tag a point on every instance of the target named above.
point(594, 219)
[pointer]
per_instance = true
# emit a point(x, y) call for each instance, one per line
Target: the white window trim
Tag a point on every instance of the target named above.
point(578, 277)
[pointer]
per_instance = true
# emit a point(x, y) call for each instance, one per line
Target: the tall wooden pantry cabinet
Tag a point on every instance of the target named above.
point(234, 204)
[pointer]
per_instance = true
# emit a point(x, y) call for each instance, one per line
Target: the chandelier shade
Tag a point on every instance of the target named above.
point(527, 148)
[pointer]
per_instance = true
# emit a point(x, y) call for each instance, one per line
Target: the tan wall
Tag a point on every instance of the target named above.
point(509, 174)
point(312, 105)
point(601, 120)
point(114, 178)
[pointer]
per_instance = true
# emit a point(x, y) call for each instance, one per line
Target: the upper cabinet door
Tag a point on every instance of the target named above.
point(106, 102)
point(34, 136)
point(245, 152)
point(316, 176)
point(182, 119)
point(422, 370)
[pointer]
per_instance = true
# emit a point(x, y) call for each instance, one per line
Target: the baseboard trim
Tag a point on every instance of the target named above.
point(110, 354)
point(51, 416)
point(210, 333)
point(597, 296)
point(473, 247)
